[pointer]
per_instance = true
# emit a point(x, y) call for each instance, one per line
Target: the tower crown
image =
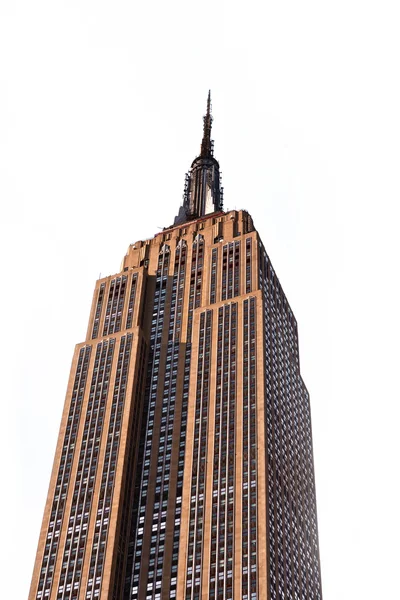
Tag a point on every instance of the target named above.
point(203, 192)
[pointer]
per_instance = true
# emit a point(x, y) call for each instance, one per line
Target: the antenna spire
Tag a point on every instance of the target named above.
point(203, 191)
point(206, 144)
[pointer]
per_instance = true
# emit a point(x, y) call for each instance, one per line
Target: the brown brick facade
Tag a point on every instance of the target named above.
point(184, 466)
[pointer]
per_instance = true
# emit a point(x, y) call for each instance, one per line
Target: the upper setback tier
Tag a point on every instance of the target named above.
point(234, 263)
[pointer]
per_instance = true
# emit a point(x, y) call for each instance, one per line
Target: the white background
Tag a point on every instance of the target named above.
point(101, 107)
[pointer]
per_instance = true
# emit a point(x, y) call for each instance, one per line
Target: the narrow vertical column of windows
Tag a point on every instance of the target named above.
point(103, 514)
point(217, 435)
point(196, 524)
point(249, 466)
point(224, 277)
point(110, 300)
point(222, 525)
point(270, 389)
point(281, 439)
point(246, 478)
point(63, 476)
point(131, 305)
point(293, 341)
point(285, 472)
point(115, 305)
point(290, 505)
point(230, 270)
point(213, 280)
point(197, 269)
point(150, 404)
point(231, 259)
point(308, 491)
point(295, 482)
point(248, 265)
point(126, 544)
point(289, 477)
point(277, 460)
point(97, 314)
point(236, 270)
point(155, 574)
point(74, 549)
point(261, 276)
point(280, 450)
point(312, 529)
point(116, 319)
point(196, 275)
point(301, 498)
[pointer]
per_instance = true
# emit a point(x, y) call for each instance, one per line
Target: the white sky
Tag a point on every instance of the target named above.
point(101, 107)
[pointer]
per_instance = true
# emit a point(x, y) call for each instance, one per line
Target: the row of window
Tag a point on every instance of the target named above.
point(63, 476)
point(103, 513)
point(150, 403)
point(199, 459)
point(249, 460)
point(223, 505)
point(195, 289)
point(230, 271)
point(114, 309)
point(131, 486)
point(115, 305)
point(163, 473)
point(79, 516)
point(230, 284)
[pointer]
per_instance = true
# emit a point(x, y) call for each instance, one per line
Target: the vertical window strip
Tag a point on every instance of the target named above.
point(249, 496)
point(196, 275)
point(248, 265)
point(97, 315)
point(63, 476)
point(110, 300)
point(196, 528)
point(116, 321)
point(216, 474)
point(126, 545)
point(213, 281)
point(104, 505)
point(75, 542)
point(236, 270)
point(115, 305)
point(299, 501)
point(150, 403)
point(230, 270)
point(245, 467)
point(224, 278)
point(131, 305)
point(312, 528)
point(222, 525)
point(155, 576)
point(253, 453)
point(310, 574)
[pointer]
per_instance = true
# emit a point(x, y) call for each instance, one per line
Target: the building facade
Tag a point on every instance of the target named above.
point(184, 463)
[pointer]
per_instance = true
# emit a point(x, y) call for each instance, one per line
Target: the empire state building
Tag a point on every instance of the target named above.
point(184, 463)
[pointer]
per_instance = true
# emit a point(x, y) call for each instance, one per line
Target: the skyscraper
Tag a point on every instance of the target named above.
point(184, 465)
